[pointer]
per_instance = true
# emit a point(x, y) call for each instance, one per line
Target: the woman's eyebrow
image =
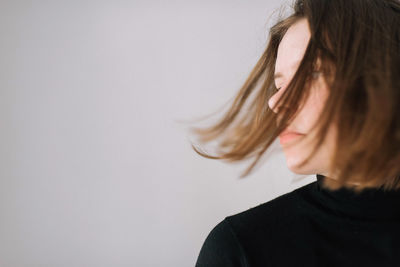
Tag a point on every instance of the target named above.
point(278, 75)
point(294, 65)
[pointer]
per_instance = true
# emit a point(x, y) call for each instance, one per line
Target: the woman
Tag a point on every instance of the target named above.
point(328, 84)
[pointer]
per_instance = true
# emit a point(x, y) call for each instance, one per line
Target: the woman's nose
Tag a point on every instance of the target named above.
point(272, 101)
point(276, 109)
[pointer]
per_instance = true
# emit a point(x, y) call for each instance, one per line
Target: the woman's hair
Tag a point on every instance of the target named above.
point(358, 45)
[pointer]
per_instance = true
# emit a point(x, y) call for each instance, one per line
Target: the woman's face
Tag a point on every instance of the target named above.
point(290, 51)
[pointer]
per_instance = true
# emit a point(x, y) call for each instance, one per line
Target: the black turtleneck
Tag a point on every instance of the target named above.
point(310, 226)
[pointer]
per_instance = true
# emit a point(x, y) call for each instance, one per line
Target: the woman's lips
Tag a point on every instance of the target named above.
point(286, 137)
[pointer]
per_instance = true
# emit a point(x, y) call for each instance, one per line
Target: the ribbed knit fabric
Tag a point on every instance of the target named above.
point(310, 226)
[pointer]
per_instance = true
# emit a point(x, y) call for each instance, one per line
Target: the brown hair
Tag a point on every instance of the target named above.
point(358, 43)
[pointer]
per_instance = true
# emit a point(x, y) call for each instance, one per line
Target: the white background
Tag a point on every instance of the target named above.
point(96, 165)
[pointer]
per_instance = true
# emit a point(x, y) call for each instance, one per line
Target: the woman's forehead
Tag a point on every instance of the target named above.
point(292, 48)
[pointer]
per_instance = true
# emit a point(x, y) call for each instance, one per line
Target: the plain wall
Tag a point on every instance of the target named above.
point(96, 165)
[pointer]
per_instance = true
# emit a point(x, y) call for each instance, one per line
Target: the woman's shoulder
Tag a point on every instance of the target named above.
point(221, 248)
point(232, 239)
point(270, 215)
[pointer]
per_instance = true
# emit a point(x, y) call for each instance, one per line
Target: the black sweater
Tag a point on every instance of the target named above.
point(310, 226)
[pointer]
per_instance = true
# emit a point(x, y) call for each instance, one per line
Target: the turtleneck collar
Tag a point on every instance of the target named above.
point(371, 203)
